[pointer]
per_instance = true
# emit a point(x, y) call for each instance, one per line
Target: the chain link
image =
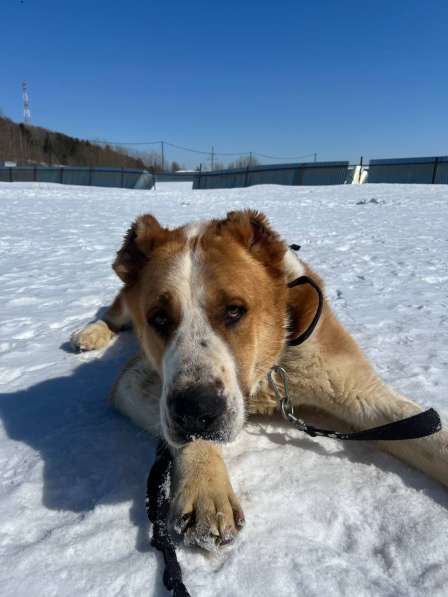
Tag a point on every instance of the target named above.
point(284, 401)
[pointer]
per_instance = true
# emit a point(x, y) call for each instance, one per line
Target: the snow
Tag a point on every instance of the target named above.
point(323, 518)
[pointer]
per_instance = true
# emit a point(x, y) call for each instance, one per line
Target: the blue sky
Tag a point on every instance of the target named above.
point(282, 78)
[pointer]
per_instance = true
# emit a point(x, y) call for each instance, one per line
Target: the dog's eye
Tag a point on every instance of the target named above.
point(160, 321)
point(234, 313)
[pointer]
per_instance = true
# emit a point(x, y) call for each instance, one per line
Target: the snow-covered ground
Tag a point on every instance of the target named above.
point(323, 518)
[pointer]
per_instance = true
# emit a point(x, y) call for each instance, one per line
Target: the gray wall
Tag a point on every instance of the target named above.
point(314, 173)
point(99, 177)
point(410, 170)
point(174, 177)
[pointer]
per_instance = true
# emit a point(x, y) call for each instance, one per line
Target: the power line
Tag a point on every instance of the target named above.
point(188, 149)
point(125, 142)
point(207, 153)
point(273, 157)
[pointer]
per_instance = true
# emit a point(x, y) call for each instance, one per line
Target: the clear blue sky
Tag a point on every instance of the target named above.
point(283, 78)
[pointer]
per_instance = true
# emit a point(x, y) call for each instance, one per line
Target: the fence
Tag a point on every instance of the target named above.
point(174, 176)
point(410, 170)
point(99, 177)
point(425, 170)
point(313, 173)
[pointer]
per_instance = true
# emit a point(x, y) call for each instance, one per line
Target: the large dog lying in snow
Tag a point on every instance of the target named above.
point(210, 305)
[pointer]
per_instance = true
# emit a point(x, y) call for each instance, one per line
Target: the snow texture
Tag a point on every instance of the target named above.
point(323, 518)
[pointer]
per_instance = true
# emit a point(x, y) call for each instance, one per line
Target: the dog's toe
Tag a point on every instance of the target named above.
point(208, 520)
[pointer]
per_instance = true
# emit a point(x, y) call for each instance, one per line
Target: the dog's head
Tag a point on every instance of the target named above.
point(212, 311)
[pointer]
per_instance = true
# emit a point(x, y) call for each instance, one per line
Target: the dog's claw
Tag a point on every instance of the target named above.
point(240, 521)
point(213, 522)
point(183, 522)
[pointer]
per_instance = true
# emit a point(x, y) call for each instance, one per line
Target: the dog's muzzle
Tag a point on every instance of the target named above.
point(198, 413)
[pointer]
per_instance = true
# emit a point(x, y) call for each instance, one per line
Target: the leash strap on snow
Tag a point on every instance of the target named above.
point(419, 425)
point(307, 333)
point(157, 509)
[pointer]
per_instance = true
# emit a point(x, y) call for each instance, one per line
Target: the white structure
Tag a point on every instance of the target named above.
point(360, 175)
point(26, 103)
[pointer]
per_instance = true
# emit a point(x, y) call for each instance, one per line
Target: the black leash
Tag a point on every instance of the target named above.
point(158, 489)
point(419, 425)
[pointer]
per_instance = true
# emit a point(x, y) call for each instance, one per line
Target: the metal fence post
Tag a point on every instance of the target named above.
point(199, 176)
point(10, 175)
point(90, 176)
point(122, 178)
point(246, 177)
point(434, 170)
point(62, 176)
point(360, 170)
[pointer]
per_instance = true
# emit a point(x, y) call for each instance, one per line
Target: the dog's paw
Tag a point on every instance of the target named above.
point(92, 337)
point(207, 515)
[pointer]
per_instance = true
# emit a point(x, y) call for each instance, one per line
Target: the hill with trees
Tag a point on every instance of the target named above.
point(28, 144)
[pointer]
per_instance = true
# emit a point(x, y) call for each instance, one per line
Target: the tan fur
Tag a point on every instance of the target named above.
point(94, 336)
point(236, 269)
point(245, 261)
point(205, 505)
point(100, 333)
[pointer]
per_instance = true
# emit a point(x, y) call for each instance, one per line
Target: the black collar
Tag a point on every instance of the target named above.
point(300, 339)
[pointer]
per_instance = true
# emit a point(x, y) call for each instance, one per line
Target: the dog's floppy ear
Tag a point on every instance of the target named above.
point(252, 229)
point(303, 303)
point(138, 243)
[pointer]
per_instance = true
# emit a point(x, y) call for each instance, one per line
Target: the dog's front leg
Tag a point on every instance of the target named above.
point(205, 509)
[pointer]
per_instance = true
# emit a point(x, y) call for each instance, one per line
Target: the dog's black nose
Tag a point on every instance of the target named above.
point(196, 411)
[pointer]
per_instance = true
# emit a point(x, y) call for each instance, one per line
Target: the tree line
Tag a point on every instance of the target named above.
point(27, 144)
point(34, 145)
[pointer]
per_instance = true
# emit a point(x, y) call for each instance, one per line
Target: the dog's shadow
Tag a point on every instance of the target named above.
point(277, 431)
point(92, 455)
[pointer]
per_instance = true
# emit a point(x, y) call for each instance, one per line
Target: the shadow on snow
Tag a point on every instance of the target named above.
point(92, 455)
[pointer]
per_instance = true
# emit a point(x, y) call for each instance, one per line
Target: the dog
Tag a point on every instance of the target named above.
point(213, 313)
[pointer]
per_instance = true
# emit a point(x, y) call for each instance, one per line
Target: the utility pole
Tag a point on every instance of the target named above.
point(212, 158)
point(26, 103)
point(163, 156)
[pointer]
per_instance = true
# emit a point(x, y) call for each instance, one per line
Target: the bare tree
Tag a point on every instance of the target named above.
point(244, 162)
point(175, 166)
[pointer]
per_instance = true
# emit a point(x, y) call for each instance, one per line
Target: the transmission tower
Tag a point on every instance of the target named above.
point(26, 103)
